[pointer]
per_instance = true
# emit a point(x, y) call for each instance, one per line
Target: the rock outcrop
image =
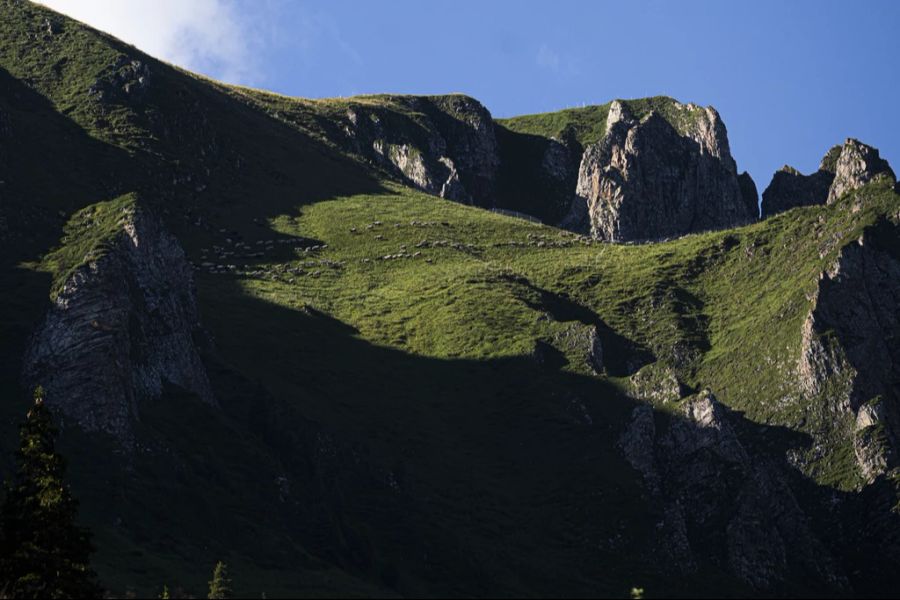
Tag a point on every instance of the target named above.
point(648, 180)
point(850, 350)
point(789, 189)
point(656, 383)
point(717, 504)
point(595, 352)
point(857, 165)
point(450, 151)
point(844, 168)
point(651, 176)
point(122, 327)
point(749, 193)
point(125, 78)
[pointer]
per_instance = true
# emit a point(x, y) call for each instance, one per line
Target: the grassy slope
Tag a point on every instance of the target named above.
point(434, 374)
point(589, 123)
point(735, 299)
point(73, 153)
point(422, 361)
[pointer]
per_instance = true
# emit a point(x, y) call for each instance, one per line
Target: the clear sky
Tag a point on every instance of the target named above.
point(790, 78)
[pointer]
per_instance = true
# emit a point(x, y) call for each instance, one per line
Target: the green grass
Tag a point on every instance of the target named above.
point(87, 237)
point(588, 124)
point(419, 355)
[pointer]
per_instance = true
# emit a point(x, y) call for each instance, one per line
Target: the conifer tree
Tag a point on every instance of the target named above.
point(43, 553)
point(220, 586)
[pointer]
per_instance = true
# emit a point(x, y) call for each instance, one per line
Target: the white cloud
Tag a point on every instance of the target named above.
point(547, 58)
point(561, 64)
point(207, 36)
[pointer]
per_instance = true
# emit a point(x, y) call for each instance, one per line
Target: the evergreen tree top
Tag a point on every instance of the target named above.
point(43, 553)
point(220, 586)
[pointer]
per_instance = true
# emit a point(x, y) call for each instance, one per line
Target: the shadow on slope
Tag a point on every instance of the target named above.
point(421, 475)
point(523, 183)
point(49, 168)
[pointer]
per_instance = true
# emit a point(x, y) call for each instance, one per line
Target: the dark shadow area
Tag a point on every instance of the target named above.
point(790, 189)
point(50, 167)
point(523, 183)
point(548, 357)
point(331, 460)
point(252, 167)
point(423, 472)
point(886, 237)
point(427, 476)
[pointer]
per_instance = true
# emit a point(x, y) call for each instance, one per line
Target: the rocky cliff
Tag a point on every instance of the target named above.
point(790, 188)
point(647, 179)
point(857, 165)
point(850, 351)
point(844, 168)
point(444, 145)
point(655, 172)
point(718, 504)
point(122, 326)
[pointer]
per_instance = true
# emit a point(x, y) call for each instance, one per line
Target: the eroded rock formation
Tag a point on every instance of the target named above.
point(789, 188)
point(844, 168)
point(125, 78)
point(122, 327)
point(850, 350)
point(647, 180)
point(452, 154)
point(857, 165)
point(718, 504)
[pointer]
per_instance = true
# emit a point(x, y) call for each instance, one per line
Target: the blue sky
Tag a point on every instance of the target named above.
point(790, 78)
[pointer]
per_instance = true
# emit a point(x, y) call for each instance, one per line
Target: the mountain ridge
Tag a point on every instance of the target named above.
point(420, 397)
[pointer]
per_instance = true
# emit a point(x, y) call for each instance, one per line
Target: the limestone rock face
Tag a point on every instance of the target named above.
point(850, 347)
point(872, 443)
point(647, 180)
point(452, 154)
point(718, 504)
point(122, 327)
point(857, 165)
point(844, 168)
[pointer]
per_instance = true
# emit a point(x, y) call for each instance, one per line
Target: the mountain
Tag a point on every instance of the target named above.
point(845, 167)
point(388, 345)
point(657, 168)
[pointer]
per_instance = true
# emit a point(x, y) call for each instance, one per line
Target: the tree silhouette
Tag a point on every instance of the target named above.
point(220, 586)
point(43, 553)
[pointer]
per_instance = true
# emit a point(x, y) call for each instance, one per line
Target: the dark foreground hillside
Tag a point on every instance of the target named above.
point(292, 335)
